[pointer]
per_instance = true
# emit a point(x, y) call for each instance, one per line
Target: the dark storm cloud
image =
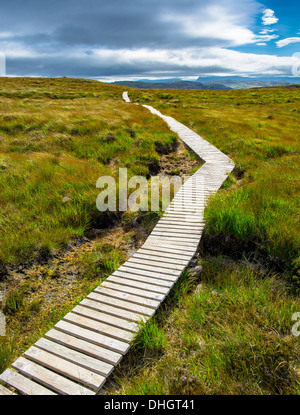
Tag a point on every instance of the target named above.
point(79, 38)
point(113, 24)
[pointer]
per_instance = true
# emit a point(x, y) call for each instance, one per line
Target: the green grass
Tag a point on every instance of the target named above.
point(230, 331)
point(259, 130)
point(57, 137)
point(228, 334)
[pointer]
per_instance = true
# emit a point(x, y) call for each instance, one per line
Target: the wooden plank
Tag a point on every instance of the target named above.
point(162, 268)
point(185, 233)
point(88, 348)
point(177, 210)
point(131, 290)
point(185, 205)
point(160, 239)
point(178, 240)
point(124, 305)
point(181, 221)
point(73, 356)
point(5, 391)
point(180, 226)
point(138, 284)
point(85, 308)
point(164, 253)
point(23, 384)
point(169, 248)
point(160, 259)
point(93, 337)
point(98, 327)
point(115, 311)
point(50, 379)
point(171, 225)
point(133, 268)
point(65, 368)
point(179, 229)
point(190, 216)
point(148, 280)
point(128, 297)
point(181, 235)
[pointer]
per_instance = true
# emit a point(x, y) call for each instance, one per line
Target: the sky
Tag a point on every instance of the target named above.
point(135, 39)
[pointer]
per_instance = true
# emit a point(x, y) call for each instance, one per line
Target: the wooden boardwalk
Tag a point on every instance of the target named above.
point(81, 351)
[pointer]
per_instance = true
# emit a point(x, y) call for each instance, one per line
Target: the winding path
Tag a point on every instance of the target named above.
point(81, 351)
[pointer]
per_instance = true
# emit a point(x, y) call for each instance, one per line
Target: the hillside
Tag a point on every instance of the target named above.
point(172, 85)
point(57, 137)
point(226, 328)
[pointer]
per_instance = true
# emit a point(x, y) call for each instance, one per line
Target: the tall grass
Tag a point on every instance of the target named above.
point(57, 137)
point(259, 130)
point(229, 334)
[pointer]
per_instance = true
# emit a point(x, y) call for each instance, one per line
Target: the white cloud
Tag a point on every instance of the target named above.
point(287, 41)
point(266, 31)
point(269, 17)
point(215, 21)
point(17, 50)
point(223, 24)
point(197, 59)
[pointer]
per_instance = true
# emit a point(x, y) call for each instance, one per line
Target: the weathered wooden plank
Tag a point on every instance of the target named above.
point(92, 301)
point(178, 233)
point(163, 268)
point(170, 225)
point(130, 275)
point(128, 297)
point(86, 347)
point(85, 308)
point(114, 310)
point(73, 356)
point(50, 379)
point(160, 259)
point(93, 337)
point(181, 221)
point(190, 216)
point(185, 205)
point(125, 305)
point(163, 239)
point(165, 253)
point(98, 327)
point(181, 236)
point(65, 368)
point(5, 391)
point(139, 284)
point(131, 290)
point(23, 384)
point(187, 251)
point(128, 269)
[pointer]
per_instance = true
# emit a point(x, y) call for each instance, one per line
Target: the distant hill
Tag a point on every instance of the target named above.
point(211, 83)
point(239, 82)
point(172, 85)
